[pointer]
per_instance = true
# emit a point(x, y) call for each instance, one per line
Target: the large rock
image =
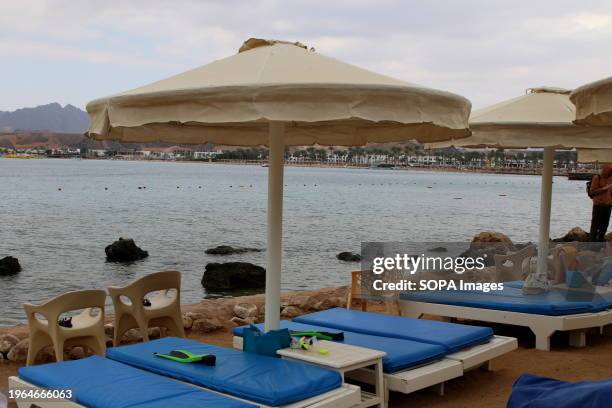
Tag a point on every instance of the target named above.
point(77, 353)
point(229, 250)
point(290, 312)
point(187, 322)
point(124, 250)
point(233, 276)
point(245, 310)
point(9, 266)
point(492, 236)
point(349, 257)
point(575, 234)
point(7, 341)
point(19, 352)
point(239, 321)
point(206, 325)
point(487, 244)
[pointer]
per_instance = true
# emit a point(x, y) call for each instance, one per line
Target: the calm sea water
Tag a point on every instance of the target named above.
point(59, 236)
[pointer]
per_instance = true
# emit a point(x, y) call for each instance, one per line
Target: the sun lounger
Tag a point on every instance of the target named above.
point(259, 379)
point(97, 382)
point(411, 365)
point(556, 310)
point(531, 391)
point(401, 354)
point(453, 337)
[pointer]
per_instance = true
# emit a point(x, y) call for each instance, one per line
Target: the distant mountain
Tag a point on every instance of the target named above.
point(48, 118)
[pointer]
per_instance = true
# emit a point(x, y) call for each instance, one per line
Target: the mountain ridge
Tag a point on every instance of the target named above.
point(51, 117)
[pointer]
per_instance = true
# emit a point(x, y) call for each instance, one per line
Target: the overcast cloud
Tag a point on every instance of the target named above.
point(74, 51)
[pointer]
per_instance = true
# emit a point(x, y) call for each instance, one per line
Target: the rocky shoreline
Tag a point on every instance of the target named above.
point(205, 317)
point(210, 315)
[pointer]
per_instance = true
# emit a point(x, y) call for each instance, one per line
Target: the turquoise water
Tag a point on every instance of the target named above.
point(59, 236)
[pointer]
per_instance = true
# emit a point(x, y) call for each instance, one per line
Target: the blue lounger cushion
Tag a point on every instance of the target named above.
point(98, 382)
point(265, 380)
point(555, 302)
point(401, 354)
point(531, 391)
point(453, 337)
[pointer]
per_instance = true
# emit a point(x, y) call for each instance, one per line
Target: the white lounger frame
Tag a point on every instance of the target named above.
point(541, 325)
point(344, 397)
point(436, 373)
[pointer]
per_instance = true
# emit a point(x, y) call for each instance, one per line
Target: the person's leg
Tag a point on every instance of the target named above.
point(593, 232)
point(604, 221)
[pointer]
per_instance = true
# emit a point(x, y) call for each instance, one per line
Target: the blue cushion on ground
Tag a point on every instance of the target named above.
point(401, 354)
point(98, 382)
point(262, 379)
point(452, 337)
point(555, 302)
point(531, 391)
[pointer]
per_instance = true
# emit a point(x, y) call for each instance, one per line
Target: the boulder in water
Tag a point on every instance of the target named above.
point(229, 250)
point(487, 244)
point(349, 257)
point(230, 276)
point(9, 266)
point(493, 237)
point(573, 235)
point(438, 249)
point(124, 250)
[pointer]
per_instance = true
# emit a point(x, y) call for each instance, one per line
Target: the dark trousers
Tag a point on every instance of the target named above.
point(599, 222)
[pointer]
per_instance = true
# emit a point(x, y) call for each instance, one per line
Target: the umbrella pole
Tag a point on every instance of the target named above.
point(545, 203)
point(275, 224)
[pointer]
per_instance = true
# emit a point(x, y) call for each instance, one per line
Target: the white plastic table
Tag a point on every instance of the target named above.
point(344, 358)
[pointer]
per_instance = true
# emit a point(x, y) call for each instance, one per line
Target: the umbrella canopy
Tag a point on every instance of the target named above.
point(543, 117)
point(320, 99)
point(594, 103)
point(277, 93)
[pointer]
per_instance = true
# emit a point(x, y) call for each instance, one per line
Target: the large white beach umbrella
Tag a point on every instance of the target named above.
point(594, 103)
point(277, 94)
point(542, 118)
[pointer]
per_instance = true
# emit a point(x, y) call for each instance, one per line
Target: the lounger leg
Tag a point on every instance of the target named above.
point(542, 338)
point(488, 366)
point(380, 384)
point(438, 389)
point(577, 338)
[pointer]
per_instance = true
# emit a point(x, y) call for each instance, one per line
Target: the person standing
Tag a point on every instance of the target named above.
point(601, 193)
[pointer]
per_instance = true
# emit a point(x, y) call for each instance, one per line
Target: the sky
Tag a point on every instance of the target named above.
point(70, 51)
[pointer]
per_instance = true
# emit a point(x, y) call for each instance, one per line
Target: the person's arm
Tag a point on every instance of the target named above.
point(596, 189)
